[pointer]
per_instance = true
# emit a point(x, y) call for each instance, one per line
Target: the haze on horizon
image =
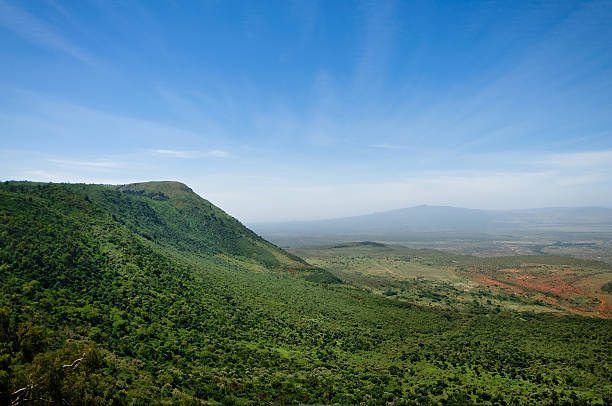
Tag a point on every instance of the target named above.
point(305, 110)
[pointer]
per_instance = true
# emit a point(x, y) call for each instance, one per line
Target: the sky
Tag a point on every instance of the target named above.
point(297, 110)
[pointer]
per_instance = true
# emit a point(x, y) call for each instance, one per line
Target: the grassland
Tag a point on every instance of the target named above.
point(429, 277)
point(583, 245)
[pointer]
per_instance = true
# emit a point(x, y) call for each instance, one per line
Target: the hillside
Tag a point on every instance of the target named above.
point(148, 294)
point(172, 215)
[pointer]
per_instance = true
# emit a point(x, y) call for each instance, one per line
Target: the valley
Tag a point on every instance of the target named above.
point(544, 284)
point(588, 245)
point(149, 294)
point(580, 232)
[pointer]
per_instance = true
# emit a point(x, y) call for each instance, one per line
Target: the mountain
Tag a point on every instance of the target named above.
point(148, 294)
point(420, 218)
point(400, 223)
point(174, 216)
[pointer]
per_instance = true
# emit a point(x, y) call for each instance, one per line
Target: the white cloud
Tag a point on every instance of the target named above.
point(385, 146)
point(175, 153)
point(218, 153)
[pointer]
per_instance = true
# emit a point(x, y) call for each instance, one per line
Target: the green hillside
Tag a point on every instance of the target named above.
point(148, 294)
point(170, 214)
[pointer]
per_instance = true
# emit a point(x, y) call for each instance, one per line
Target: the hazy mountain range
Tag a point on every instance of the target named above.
point(426, 219)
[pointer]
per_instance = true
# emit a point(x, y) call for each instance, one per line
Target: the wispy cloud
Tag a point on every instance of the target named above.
point(377, 46)
point(40, 176)
point(173, 153)
point(385, 146)
point(570, 163)
point(37, 175)
point(218, 153)
point(38, 33)
point(51, 118)
point(87, 164)
point(578, 159)
point(57, 7)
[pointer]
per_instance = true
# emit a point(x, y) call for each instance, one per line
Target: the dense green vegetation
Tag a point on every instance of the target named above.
point(148, 294)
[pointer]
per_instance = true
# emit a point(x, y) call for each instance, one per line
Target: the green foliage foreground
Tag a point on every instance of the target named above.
point(124, 296)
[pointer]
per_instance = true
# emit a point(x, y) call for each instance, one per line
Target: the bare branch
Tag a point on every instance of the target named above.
point(31, 386)
point(75, 363)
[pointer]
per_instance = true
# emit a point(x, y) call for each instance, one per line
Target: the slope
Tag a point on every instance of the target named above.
point(174, 216)
point(96, 309)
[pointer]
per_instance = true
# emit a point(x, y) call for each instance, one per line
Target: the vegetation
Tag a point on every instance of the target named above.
point(148, 294)
point(533, 283)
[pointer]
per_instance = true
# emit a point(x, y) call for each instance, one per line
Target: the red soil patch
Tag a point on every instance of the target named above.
point(484, 280)
point(605, 309)
point(555, 284)
point(564, 284)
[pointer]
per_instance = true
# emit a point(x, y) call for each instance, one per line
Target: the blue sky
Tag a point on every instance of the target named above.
point(302, 109)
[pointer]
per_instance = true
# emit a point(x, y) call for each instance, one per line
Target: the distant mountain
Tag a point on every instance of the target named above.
point(443, 219)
